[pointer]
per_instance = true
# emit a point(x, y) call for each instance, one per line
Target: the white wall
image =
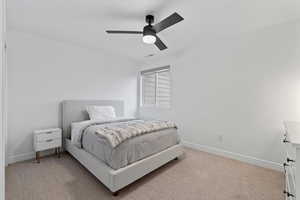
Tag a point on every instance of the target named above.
point(2, 133)
point(239, 88)
point(42, 73)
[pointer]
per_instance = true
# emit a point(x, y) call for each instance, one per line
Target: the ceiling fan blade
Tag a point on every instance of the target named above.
point(123, 32)
point(160, 44)
point(167, 22)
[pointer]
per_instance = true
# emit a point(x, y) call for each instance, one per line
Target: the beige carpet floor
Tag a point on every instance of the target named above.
point(196, 176)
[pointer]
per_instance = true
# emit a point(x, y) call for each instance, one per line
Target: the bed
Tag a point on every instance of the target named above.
point(114, 172)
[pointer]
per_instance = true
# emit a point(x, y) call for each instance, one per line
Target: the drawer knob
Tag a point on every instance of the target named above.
point(290, 160)
point(288, 194)
point(285, 141)
point(50, 140)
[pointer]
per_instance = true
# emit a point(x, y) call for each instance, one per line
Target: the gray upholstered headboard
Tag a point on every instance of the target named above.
point(75, 111)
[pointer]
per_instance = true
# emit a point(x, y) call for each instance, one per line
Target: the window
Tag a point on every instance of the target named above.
point(156, 87)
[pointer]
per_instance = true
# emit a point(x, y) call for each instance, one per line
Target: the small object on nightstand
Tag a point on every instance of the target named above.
point(47, 139)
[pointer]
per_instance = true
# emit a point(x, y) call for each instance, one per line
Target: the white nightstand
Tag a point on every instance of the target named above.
point(47, 139)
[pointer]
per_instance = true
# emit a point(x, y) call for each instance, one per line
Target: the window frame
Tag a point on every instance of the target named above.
point(155, 71)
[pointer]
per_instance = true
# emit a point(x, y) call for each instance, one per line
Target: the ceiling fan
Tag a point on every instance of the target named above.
point(150, 31)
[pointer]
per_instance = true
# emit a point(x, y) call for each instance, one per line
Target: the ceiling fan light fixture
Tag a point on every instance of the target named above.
point(149, 31)
point(149, 39)
point(149, 35)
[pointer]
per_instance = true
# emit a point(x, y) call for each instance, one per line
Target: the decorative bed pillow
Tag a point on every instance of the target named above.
point(101, 112)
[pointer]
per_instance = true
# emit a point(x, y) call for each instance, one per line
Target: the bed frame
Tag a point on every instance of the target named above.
point(114, 180)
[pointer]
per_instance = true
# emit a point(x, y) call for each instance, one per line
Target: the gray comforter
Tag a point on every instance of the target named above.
point(130, 150)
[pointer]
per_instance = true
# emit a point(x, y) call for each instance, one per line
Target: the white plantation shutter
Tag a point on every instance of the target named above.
point(149, 89)
point(156, 87)
point(163, 93)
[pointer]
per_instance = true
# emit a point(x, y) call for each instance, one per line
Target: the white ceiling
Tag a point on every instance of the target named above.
point(83, 22)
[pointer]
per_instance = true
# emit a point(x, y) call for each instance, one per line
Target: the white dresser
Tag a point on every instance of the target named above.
point(292, 148)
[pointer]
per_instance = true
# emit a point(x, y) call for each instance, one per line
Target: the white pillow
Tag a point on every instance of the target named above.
point(101, 112)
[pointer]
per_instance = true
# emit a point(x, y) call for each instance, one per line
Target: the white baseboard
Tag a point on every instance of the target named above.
point(20, 157)
point(26, 156)
point(213, 150)
point(235, 156)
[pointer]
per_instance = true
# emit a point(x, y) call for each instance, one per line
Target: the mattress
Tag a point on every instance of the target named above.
point(131, 150)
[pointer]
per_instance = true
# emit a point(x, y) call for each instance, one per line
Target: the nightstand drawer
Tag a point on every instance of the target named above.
point(48, 144)
point(48, 135)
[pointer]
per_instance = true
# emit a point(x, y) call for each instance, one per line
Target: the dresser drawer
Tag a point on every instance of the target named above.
point(48, 135)
point(290, 183)
point(48, 144)
point(290, 150)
